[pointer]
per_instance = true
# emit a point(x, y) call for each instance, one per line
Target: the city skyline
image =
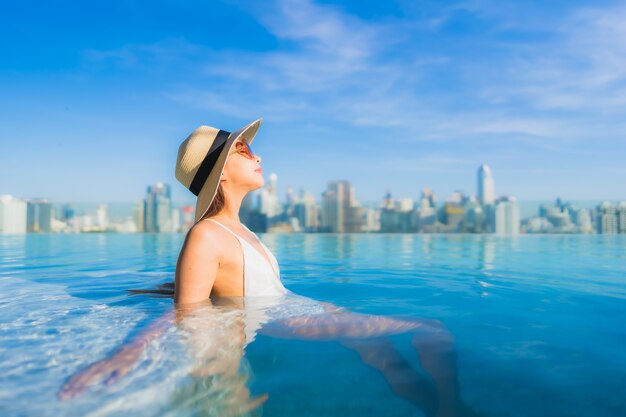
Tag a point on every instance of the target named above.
point(387, 95)
point(283, 190)
point(339, 210)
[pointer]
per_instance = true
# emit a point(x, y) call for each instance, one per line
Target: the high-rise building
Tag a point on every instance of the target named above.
point(388, 202)
point(158, 209)
point(291, 197)
point(426, 211)
point(268, 203)
point(67, 213)
point(138, 215)
point(607, 218)
point(487, 196)
point(507, 216)
point(388, 214)
point(307, 211)
point(12, 214)
point(429, 196)
point(340, 210)
point(370, 219)
point(102, 216)
point(176, 220)
point(452, 213)
point(397, 215)
point(582, 218)
point(188, 217)
point(559, 217)
point(474, 221)
point(486, 189)
point(405, 207)
point(39, 214)
point(621, 217)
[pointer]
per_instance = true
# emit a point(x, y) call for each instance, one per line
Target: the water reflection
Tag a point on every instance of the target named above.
point(214, 335)
point(217, 332)
point(160, 250)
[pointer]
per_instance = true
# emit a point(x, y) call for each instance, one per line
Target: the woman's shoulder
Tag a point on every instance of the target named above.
point(206, 233)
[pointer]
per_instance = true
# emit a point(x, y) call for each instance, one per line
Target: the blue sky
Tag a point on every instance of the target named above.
point(394, 95)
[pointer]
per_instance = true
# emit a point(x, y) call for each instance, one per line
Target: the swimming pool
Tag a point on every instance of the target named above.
point(538, 323)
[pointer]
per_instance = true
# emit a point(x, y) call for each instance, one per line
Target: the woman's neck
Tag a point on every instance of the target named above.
point(230, 213)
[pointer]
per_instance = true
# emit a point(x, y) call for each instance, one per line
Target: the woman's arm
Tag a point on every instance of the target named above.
point(119, 362)
point(197, 265)
point(196, 270)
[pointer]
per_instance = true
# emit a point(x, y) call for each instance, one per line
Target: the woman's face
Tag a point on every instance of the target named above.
point(241, 170)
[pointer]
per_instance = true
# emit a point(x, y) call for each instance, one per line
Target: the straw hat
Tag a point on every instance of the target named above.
point(201, 160)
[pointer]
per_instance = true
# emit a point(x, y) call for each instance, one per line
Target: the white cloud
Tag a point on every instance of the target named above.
point(336, 68)
point(579, 69)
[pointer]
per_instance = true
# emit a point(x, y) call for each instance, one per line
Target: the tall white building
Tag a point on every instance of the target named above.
point(370, 219)
point(507, 216)
point(138, 215)
point(621, 217)
point(583, 220)
point(102, 216)
point(176, 219)
point(307, 211)
point(268, 202)
point(12, 214)
point(486, 189)
point(39, 215)
point(427, 209)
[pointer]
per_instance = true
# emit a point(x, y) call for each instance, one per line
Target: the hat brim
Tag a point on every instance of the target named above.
point(209, 189)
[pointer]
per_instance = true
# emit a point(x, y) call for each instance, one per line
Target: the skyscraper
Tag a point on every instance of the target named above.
point(487, 196)
point(158, 209)
point(507, 216)
point(474, 216)
point(427, 210)
point(268, 202)
point(341, 211)
point(621, 217)
point(39, 214)
point(307, 211)
point(67, 213)
point(486, 191)
point(452, 213)
point(12, 215)
point(139, 209)
point(102, 216)
point(607, 218)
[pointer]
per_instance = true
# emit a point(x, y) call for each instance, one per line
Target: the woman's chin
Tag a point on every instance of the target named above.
point(260, 183)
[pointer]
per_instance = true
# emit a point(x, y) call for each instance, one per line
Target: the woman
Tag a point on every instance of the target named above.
point(222, 261)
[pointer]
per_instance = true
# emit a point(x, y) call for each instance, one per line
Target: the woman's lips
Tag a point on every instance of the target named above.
point(259, 170)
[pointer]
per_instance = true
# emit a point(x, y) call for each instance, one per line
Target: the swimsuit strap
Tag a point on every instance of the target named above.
point(267, 260)
point(254, 234)
point(236, 235)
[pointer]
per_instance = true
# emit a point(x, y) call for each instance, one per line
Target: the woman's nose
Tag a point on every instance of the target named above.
point(258, 158)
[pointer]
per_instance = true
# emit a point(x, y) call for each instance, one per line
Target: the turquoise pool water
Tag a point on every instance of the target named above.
point(538, 325)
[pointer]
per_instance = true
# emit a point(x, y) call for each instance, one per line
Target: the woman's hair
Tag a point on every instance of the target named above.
point(167, 289)
point(217, 204)
point(161, 291)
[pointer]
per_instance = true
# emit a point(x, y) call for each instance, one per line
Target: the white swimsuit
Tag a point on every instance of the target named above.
point(259, 277)
point(265, 296)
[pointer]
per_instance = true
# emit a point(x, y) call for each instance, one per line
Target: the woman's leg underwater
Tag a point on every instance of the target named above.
point(432, 340)
point(403, 379)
